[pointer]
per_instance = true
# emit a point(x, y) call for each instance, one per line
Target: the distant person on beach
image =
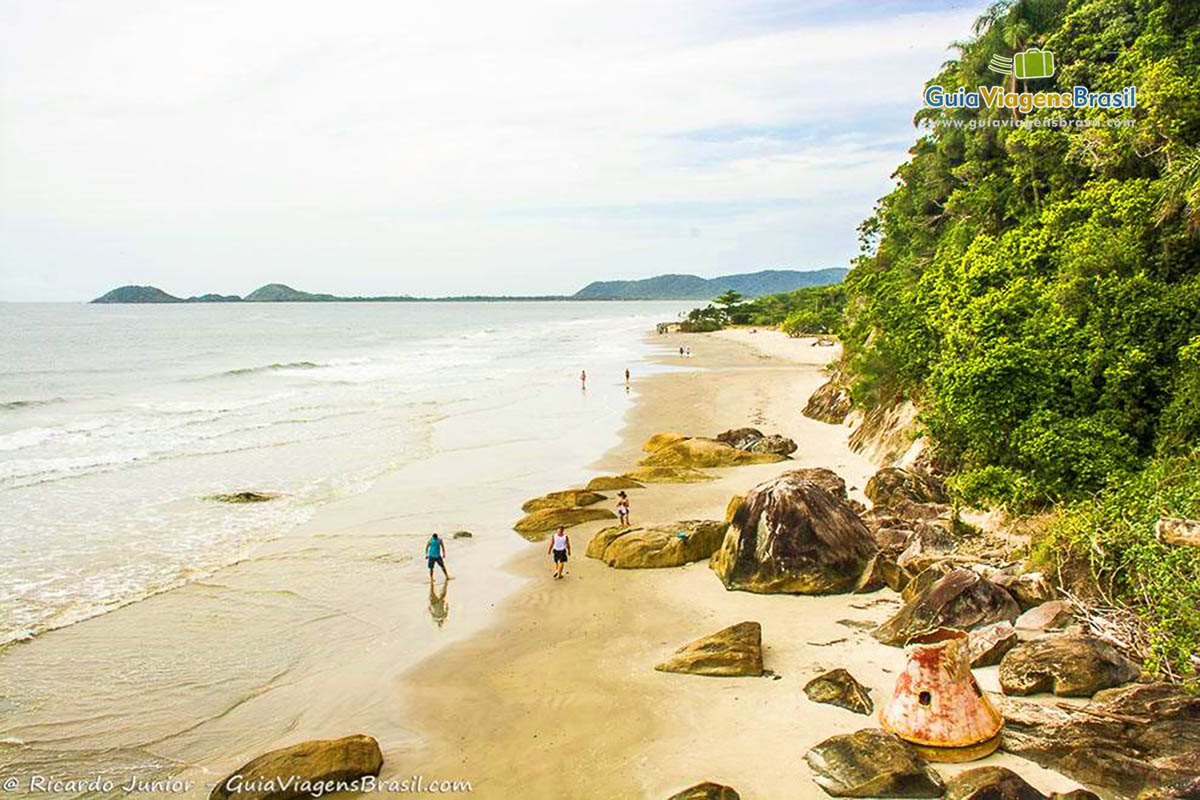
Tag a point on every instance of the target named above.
point(623, 508)
point(560, 548)
point(439, 606)
point(681, 351)
point(435, 552)
point(627, 376)
point(583, 380)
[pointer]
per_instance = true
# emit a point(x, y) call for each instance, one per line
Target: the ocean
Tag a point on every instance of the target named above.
point(118, 422)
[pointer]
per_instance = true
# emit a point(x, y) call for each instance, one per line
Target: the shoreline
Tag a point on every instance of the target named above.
point(559, 698)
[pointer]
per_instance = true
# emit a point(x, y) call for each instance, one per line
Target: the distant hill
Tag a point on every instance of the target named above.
point(693, 287)
point(279, 293)
point(138, 294)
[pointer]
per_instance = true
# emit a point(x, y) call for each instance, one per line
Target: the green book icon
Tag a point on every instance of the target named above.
point(1031, 63)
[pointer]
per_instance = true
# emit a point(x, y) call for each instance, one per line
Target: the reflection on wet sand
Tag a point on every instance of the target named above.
point(439, 606)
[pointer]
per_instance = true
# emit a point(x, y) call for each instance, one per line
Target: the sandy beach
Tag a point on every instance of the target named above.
point(558, 698)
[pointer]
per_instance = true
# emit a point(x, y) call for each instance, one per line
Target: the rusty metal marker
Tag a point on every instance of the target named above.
point(937, 706)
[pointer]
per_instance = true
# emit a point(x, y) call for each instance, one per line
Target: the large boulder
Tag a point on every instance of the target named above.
point(534, 526)
point(839, 688)
point(891, 485)
point(657, 545)
point(882, 570)
point(611, 483)
point(924, 546)
point(990, 783)
point(570, 498)
point(776, 444)
point(732, 652)
point(961, 600)
point(668, 475)
point(660, 440)
point(1046, 616)
point(827, 479)
point(989, 643)
point(1136, 738)
point(1029, 589)
point(707, 791)
point(293, 772)
point(872, 763)
point(1068, 666)
point(791, 536)
point(704, 453)
point(1172, 530)
point(741, 438)
point(829, 403)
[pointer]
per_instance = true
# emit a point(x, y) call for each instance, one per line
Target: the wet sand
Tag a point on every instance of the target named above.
point(559, 697)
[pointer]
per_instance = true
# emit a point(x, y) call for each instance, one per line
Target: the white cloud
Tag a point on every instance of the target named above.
point(377, 146)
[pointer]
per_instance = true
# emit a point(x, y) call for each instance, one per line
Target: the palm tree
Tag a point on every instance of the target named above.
point(1181, 188)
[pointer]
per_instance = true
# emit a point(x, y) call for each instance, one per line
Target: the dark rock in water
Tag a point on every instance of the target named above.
point(707, 791)
point(829, 403)
point(570, 498)
point(881, 571)
point(611, 483)
point(779, 445)
point(989, 643)
point(892, 485)
point(1136, 738)
point(462, 535)
point(284, 774)
point(793, 536)
point(1068, 666)
point(1054, 614)
point(827, 479)
point(670, 545)
point(872, 763)
point(839, 688)
point(961, 600)
point(741, 438)
point(732, 652)
point(244, 497)
point(534, 526)
point(990, 783)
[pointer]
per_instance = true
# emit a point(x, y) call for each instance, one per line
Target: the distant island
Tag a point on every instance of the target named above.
point(692, 287)
point(662, 287)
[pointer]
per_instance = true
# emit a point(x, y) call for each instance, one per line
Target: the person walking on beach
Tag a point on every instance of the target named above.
point(435, 551)
point(681, 351)
point(560, 548)
point(583, 380)
point(623, 509)
point(627, 376)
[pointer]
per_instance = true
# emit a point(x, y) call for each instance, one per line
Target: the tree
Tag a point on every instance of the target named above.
point(729, 299)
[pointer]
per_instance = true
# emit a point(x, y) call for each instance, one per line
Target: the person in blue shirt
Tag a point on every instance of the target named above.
point(435, 552)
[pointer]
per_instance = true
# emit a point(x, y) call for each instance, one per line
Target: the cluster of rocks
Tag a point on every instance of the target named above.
point(303, 770)
point(566, 508)
point(739, 447)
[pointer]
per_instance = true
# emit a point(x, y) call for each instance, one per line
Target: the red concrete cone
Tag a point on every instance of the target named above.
point(937, 706)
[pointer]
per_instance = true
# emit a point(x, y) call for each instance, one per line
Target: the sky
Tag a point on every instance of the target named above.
point(440, 148)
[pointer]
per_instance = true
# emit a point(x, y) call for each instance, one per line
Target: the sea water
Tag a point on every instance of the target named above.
point(118, 422)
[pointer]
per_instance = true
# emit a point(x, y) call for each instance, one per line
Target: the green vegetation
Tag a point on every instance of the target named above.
point(1036, 291)
point(1114, 536)
point(803, 312)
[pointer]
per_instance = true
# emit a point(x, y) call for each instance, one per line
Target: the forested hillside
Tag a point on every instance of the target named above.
point(1036, 292)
